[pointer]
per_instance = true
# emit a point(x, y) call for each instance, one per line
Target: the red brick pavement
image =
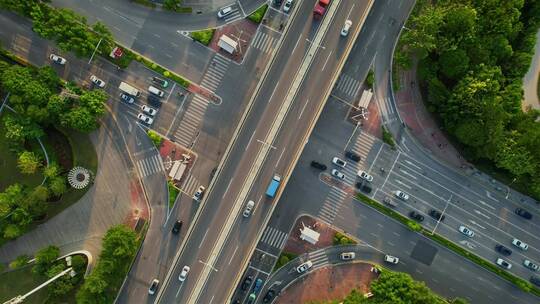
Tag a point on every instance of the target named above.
point(171, 151)
point(421, 123)
point(242, 32)
point(297, 246)
point(329, 283)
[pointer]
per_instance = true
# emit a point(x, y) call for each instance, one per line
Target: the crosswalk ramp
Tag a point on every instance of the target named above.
point(150, 165)
point(348, 85)
point(190, 185)
point(264, 42)
point(215, 72)
point(274, 237)
point(189, 126)
point(332, 204)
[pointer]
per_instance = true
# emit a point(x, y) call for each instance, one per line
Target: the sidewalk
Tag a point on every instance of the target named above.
point(421, 123)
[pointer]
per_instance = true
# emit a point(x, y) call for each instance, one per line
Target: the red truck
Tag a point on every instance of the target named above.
point(320, 8)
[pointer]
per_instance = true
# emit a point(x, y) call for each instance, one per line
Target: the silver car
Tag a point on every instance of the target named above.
point(248, 208)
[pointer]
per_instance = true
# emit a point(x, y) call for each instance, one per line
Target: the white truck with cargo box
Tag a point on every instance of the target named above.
point(128, 89)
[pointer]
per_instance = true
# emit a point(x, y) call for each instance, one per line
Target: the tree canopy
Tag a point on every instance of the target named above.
point(472, 59)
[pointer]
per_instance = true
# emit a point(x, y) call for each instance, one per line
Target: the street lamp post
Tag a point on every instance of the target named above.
point(94, 52)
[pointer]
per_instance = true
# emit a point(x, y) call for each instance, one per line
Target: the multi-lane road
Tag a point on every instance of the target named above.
point(272, 134)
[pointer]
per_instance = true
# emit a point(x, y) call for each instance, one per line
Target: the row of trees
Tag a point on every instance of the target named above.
point(69, 30)
point(20, 205)
point(398, 288)
point(119, 248)
point(472, 57)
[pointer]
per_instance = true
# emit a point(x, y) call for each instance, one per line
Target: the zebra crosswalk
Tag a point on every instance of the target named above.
point(235, 14)
point(217, 69)
point(318, 257)
point(264, 42)
point(348, 85)
point(190, 185)
point(363, 145)
point(150, 165)
point(186, 131)
point(332, 204)
point(274, 237)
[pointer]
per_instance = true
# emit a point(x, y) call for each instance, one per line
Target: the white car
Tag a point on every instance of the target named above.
point(339, 162)
point(147, 120)
point(127, 98)
point(503, 263)
point(153, 287)
point(519, 244)
point(198, 195)
point(304, 266)
point(338, 174)
point(57, 59)
point(287, 6)
point(248, 208)
point(466, 231)
point(100, 83)
point(222, 13)
point(401, 195)
point(148, 110)
point(363, 175)
point(183, 275)
point(532, 266)
point(391, 259)
point(346, 256)
point(346, 27)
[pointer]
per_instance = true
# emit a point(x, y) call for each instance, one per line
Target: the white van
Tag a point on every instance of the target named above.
point(155, 91)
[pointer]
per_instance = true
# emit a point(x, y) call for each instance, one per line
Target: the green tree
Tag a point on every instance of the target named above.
point(400, 288)
point(63, 284)
point(171, 4)
point(79, 119)
point(454, 63)
point(94, 102)
point(28, 162)
point(52, 170)
point(10, 199)
point(119, 243)
point(44, 259)
point(57, 185)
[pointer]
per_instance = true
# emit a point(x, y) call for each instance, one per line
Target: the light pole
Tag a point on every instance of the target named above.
point(94, 52)
point(442, 214)
point(508, 191)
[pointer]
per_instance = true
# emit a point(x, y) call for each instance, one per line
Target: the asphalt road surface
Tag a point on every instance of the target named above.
point(221, 210)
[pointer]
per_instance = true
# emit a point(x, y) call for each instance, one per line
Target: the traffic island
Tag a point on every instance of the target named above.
point(238, 35)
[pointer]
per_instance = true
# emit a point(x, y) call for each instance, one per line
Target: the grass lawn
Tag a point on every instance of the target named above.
point(258, 15)
point(204, 36)
point(84, 155)
point(9, 172)
point(173, 193)
point(19, 282)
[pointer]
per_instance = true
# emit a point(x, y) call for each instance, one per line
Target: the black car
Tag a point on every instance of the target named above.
point(318, 165)
point(523, 213)
point(269, 296)
point(353, 156)
point(535, 280)
point(363, 186)
point(417, 216)
point(503, 250)
point(247, 282)
point(176, 227)
point(277, 3)
point(436, 215)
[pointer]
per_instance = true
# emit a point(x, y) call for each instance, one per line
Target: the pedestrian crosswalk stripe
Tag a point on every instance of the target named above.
point(274, 237)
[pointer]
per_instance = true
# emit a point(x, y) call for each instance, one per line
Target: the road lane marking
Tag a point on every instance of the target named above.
point(279, 159)
point(403, 184)
point(232, 256)
point(249, 140)
point(326, 61)
point(202, 241)
point(227, 189)
point(480, 213)
point(486, 204)
point(391, 168)
point(407, 173)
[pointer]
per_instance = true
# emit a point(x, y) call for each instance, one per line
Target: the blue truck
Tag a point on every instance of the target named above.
point(273, 187)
